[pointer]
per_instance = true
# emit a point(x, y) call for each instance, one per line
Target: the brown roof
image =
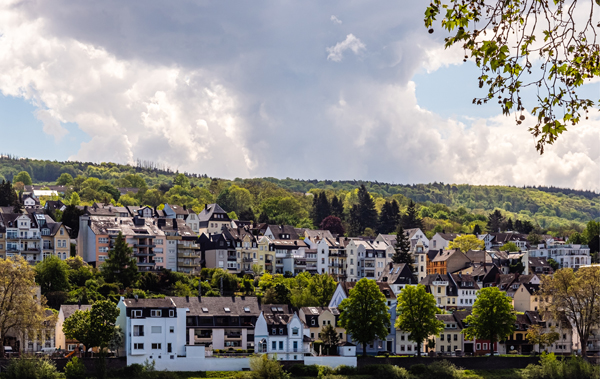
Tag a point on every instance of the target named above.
point(383, 287)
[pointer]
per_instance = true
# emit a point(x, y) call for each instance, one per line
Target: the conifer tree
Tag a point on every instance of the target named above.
point(509, 225)
point(337, 207)
point(366, 209)
point(411, 219)
point(495, 221)
point(120, 267)
point(8, 196)
point(321, 208)
point(477, 230)
point(402, 254)
point(389, 217)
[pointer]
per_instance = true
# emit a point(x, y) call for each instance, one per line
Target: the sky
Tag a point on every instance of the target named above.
point(308, 89)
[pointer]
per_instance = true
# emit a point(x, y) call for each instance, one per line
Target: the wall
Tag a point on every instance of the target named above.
point(330, 361)
point(196, 363)
point(479, 363)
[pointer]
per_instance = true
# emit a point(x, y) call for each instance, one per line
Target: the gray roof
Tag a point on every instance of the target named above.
point(215, 306)
point(167, 302)
point(209, 210)
point(69, 309)
point(397, 273)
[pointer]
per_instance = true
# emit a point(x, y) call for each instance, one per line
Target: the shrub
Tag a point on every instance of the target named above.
point(264, 368)
point(346, 370)
point(31, 368)
point(439, 370)
point(325, 371)
point(384, 371)
point(418, 369)
point(304, 370)
point(75, 369)
point(552, 368)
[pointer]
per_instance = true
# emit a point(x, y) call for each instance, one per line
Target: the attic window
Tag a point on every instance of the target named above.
point(247, 309)
point(280, 309)
point(227, 309)
point(205, 310)
point(274, 309)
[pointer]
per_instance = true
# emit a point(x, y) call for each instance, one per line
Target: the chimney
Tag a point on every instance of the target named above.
point(391, 264)
point(187, 299)
point(136, 298)
point(184, 207)
point(205, 206)
point(79, 304)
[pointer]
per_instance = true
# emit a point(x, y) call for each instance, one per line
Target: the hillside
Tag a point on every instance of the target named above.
point(451, 206)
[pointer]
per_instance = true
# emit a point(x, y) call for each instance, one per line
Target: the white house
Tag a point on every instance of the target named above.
point(279, 331)
point(154, 330)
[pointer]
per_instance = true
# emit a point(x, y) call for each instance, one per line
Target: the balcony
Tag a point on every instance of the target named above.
point(233, 336)
point(248, 260)
point(186, 255)
point(300, 263)
point(143, 254)
point(138, 245)
point(187, 264)
point(232, 258)
point(337, 254)
point(183, 245)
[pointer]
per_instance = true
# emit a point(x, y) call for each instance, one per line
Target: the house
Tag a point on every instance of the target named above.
point(510, 282)
point(55, 237)
point(466, 289)
point(181, 251)
point(316, 318)
point(484, 274)
point(30, 201)
point(66, 311)
point(181, 212)
point(212, 219)
point(526, 297)
point(245, 245)
point(342, 292)
point(447, 261)
point(443, 288)
point(398, 276)
point(280, 332)
point(475, 346)
point(220, 322)
point(22, 236)
point(539, 266)
point(154, 330)
point(567, 255)
point(451, 338)
point(54, 205)
point(442, 240)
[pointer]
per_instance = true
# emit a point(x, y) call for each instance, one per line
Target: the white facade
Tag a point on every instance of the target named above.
point(567, 256)
point(285, 341)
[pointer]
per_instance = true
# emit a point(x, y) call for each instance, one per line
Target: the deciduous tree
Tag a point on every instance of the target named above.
point(577, 296)
point(52, 274)
point(364, 313)
point(330, 338)
point(333, 224)
point(20, 307)
point(416, 312)
point(493, 317)
point(467, 242)
point(550, 46)
point(23, 177)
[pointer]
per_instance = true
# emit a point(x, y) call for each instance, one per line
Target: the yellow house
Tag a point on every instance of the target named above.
point(316, 318)
point(527, 298)
point(266, 258)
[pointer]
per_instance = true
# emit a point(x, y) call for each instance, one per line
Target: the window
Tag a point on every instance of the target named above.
point(280, 330)
point(155, 313)
point(156, 329)
point(138, 346)
point(169, 348)
point(274, 345)
point(103, 240)
point(171, 313)
point(441, 337)
point(485, 346)
point(273, 331)
point(136, 313)
point(441, 347)
point(158, 242)
point(312, 322)
point(456, 337)
point(280, 345)
point(101, 249)
point(478, 346)
point(156, 346)
point(138, 330)
point(294, 331)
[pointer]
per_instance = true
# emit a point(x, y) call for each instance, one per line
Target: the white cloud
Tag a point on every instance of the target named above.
point(350, 43)
point(335, 20)
point(237, 92)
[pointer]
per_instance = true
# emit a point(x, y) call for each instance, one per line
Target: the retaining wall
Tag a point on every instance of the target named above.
point(468, 363)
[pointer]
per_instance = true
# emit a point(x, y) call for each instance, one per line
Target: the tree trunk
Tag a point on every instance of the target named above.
point(418, 349)
point(364, 349)
point(584, 347)
point(491, 347)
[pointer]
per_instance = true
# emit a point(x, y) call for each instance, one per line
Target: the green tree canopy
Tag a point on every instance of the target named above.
point(364, 313)
point(416, 312)
point(94, 327)
point(23, 177)
point(52, 274)
point(467, 242)
point(64, 179)
point(493, 317)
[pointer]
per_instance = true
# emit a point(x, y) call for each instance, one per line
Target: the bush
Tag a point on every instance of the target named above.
point(552, 368)
point(325, 371)
point(438, 370)
point(346, 370)
point(384, 371)
point(418, 369)
point(31, 368)
point(264, 368)
point(108, 289)
point(75, 369)
point(304, 370)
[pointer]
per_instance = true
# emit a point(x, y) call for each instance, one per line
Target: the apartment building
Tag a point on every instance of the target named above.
point(97, 235)
point(315, 318)
point(22, 236)
point(567, 255)
point(212, 219)
point(451, 338)
point(220, 322)
point(398, 276)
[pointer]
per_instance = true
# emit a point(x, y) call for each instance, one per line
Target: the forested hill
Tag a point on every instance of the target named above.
point(549, 207)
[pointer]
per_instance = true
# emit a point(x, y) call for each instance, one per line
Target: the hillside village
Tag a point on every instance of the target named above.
point(246, 314)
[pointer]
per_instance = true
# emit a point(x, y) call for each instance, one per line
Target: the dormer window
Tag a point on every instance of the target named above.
point(273, 331)
point(280, 330)
point(155, 313)
point(294, 331)
point(227, 310)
